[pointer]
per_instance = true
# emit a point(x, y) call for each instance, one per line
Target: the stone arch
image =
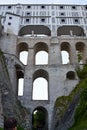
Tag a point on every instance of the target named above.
point(70, 30)
point(41, 47)
point(80, 51)
point(40, 118)
point(34, 29)
point(40, 75)
point(65, 46)
point(22, 49)
point(70, 75)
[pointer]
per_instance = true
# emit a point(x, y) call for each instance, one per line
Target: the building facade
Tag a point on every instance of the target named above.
point(52, 29)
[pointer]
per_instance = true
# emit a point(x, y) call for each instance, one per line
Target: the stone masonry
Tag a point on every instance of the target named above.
point(53, 31)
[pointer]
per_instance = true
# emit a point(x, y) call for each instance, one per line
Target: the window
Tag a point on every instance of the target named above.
point(63, 20)
point(42, 20)
point(61, 7)
point(9, 23)
point(27, 20)
point(43, 7)
point(62, 14)
point(73, 7)
point(28, 6)
point(76, 20)
point(9, 7)
point(10, 17)
point(28, 13)
point(86, 7)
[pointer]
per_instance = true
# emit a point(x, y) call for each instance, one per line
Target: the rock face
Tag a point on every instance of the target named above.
point(64, 116)
point(9, 105)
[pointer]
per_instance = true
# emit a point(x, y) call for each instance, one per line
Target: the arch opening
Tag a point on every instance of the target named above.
point(40, 119)
point(70, 30)
point(20, 86)
point(41, 53)
point(41, 58)
point(23, 56)
point(34, 30)
point(65, 53)
point(65, 57)
point(20, 80)
point(80, 52)
point(22, 51)
point(40, 85)
point(70, 75)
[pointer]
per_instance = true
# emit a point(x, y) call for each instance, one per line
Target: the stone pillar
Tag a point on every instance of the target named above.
point(73, 56)
point(55, 53)
point(50, 117)
point(54, 31)
point(31, 57)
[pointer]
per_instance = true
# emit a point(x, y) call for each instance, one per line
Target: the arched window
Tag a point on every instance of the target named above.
point(22, 51)
point(20, 86)
point(20, 80)
point(40, 85)
point(80, 51)
point(65, 57)
point(70, 75)
point(41, 58)
point(41, 53)
point(65, 53)
point(23, 57)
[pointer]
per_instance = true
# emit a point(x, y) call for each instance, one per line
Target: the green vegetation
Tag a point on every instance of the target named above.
point(81, 111)
point(1, 128)
point(62, 103)
point(39, 118)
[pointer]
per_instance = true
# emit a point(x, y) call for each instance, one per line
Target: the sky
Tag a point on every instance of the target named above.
point(83, 2)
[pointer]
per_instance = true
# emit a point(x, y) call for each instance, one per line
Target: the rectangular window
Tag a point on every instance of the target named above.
point(73, 7)
point(10, 17)
point(27, 20)
point(43, 20)
point(28, 14)
point(42, 7)
point(9, 7)
point(61, 7)
point(28, 6)
point(9, 23)
point(76, 21)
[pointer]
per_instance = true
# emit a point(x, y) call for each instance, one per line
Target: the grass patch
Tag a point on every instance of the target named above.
point(1, 129)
